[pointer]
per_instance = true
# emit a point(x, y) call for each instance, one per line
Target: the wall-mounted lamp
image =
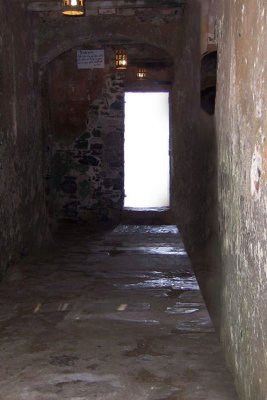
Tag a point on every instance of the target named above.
point(141, 73)
point(121, 59)
point(73, 7)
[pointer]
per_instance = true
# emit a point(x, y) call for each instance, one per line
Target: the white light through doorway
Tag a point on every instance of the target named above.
point(146, 150)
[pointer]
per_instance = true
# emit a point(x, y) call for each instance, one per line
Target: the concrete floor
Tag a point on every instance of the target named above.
point(113, 315)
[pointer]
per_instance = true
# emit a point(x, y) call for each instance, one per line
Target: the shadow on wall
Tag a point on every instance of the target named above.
point(196, 186)
point(206, 258)
point(208, 82)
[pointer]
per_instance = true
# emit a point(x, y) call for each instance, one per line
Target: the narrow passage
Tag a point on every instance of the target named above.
point(109, 315)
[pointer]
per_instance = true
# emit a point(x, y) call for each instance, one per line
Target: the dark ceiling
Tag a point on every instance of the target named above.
point(53, 5)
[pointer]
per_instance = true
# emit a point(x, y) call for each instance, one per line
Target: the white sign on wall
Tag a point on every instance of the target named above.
point(87, 59)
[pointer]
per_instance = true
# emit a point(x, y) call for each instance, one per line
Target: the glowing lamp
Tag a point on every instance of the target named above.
point(121, 59)
point(141, 73)
point(73, 7)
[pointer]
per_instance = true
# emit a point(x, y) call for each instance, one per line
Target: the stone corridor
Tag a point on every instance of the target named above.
point(110, 315)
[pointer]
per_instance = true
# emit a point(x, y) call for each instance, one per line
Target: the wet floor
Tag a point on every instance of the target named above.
point(110, 315)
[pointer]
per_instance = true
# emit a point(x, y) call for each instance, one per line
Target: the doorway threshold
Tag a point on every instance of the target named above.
point(147, 215)
point(147, 209)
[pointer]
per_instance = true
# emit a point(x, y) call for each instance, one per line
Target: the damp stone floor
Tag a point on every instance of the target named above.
point(115, 314)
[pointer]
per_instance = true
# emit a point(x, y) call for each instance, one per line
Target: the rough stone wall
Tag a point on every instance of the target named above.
point(219, 194)
point(87, 163)
point(241, 126)
point(22, 211)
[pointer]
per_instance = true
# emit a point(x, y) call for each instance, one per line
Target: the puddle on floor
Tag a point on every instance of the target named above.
point(157, 250)
point(154, 229)
point(163, 250)
point(181, 310)
point(173, 283)
point(199, 325)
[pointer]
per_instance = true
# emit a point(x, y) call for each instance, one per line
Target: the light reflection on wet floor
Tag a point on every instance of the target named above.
point(115, 250)
point(174, 283)
point(151, 234)
point(145, 229)
point(119, 316)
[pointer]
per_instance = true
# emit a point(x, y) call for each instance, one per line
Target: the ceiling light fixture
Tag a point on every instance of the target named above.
point(121, 59)
point(73, 7)
point(141, 73)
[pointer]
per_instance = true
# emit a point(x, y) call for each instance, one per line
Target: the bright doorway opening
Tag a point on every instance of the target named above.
point(146, 150)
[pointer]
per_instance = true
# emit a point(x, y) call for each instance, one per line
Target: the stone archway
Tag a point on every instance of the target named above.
point(86, 133)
